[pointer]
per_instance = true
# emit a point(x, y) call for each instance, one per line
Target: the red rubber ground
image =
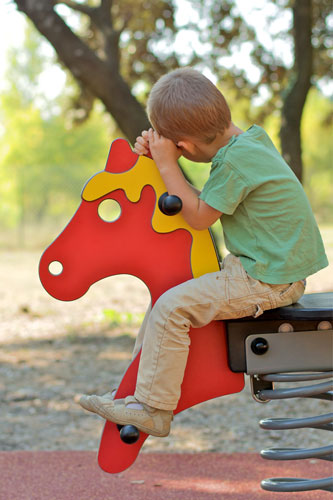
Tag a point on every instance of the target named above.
point(74, 475)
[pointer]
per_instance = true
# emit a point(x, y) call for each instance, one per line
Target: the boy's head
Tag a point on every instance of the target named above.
point(184, 103)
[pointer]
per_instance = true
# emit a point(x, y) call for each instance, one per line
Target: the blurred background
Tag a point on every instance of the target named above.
point(74, 75)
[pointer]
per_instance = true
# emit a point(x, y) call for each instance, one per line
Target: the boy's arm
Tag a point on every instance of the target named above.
point(195, 189)
point(197, 213)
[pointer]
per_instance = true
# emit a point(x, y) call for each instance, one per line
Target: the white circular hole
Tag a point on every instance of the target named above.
point(109, 210)
point(56, 267)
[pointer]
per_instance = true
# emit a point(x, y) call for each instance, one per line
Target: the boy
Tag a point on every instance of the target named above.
point(268, 225)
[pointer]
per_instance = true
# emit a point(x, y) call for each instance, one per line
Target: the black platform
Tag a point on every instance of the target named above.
point(304, 315)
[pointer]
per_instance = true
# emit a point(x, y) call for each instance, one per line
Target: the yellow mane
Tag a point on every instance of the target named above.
point(145, 172)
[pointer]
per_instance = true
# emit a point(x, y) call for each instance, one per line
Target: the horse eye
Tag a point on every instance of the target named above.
point(109, 210)
point(55, 268)
point(170, 204)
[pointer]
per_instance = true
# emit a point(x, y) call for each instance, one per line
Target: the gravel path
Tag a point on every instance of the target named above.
point(53, 350)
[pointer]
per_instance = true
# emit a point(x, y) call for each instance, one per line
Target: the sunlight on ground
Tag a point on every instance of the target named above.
point(111, 355)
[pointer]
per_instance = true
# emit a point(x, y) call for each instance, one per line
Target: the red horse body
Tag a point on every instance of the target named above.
point(162, 251)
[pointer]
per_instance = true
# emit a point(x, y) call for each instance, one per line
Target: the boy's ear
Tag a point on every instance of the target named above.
point(186, 145)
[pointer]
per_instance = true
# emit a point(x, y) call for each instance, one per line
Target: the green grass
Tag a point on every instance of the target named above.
point(116, 318)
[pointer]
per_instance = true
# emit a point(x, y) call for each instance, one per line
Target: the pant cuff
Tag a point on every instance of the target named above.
point(153, 403)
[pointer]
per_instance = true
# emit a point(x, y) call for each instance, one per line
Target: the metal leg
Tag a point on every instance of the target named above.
point(319, 391)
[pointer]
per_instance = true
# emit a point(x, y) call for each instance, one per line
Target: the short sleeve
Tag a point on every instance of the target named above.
point(225, 189)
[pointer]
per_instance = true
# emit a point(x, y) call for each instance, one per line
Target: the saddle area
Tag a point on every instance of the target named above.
point(310, 306)
point(295, 338)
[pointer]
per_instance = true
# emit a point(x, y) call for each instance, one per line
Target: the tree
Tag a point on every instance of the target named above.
point(286, 85)
point(94, 57)
point(118, 45)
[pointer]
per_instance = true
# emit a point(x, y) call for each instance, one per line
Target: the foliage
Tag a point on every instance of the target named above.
point(137, 28)
point(115, 51)
point(45, 160)
point(318, 155)
point(153, 39)
point(44, 163)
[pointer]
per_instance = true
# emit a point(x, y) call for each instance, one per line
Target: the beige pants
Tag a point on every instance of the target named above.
point(227, 294)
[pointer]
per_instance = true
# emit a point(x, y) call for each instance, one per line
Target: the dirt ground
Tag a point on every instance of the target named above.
point(51, 351)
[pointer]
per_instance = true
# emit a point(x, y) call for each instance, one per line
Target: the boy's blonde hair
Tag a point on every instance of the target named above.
point(184, 103)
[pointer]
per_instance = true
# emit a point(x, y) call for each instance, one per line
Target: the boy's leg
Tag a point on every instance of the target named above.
point(166, 343)
point(165, 349)
point(229, 293)
point(163, 360)
point(141, 333)
point(155, 418)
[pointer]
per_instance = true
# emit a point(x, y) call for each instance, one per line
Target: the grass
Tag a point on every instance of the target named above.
point(116, 318)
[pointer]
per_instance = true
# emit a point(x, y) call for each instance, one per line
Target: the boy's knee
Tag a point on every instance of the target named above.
point(163, 306)
point(168, 311)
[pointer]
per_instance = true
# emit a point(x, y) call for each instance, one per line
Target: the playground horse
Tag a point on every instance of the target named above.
point(161, 250)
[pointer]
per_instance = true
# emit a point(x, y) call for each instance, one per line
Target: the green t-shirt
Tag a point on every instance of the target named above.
point(267, 219)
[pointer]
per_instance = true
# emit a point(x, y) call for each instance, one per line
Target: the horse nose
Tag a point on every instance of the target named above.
point(53, 275)
point(58, 275)
point(51, 271)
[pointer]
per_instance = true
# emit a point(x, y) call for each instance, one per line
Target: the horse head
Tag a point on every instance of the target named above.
point(142, 241)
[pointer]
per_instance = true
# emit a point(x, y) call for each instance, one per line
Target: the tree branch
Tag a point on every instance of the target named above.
point(101, 78)
point(101, 17)
point(105, 9)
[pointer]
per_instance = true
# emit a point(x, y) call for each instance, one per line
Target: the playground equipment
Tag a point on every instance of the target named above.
point(149, 239)
point(290, 344)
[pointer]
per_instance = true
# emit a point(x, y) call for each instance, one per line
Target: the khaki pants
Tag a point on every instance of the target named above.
point(227, 294)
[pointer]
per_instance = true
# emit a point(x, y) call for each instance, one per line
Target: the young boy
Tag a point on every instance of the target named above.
point(268, 225)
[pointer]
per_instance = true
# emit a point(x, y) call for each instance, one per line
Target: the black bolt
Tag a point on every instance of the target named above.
point(259, 346)
point(129, 434)
point(170, 204)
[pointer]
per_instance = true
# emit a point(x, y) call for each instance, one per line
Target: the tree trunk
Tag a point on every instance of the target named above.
point(294, 101)
point(101, 77)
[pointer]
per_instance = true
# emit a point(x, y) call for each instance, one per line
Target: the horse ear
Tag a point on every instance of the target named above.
point(121, 157)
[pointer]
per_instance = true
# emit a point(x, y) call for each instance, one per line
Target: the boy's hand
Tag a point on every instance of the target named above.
point(165, 153)
point(141, 146)
point(163, 150)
